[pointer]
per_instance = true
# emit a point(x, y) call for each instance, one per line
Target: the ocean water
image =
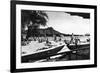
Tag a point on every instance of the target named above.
point(82, 38)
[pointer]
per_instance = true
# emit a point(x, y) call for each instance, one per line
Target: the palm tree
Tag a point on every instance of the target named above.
point(32, 19)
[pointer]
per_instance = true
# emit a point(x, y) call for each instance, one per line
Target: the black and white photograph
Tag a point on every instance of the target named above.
point(48, 36)
point(51, 36)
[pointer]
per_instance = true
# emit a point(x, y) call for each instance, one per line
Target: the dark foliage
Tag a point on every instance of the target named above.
point(32, 19)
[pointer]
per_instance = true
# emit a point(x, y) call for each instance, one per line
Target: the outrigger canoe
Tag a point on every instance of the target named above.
point(78, 46)
point(42, 54)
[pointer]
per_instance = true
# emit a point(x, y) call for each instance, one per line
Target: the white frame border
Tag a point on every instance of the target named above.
point(20, 65)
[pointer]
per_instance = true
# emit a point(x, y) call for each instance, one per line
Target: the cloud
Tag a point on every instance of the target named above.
point(67, 23)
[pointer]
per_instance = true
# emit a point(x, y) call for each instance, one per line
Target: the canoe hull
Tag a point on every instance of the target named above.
point(76, 47)
point(41, 55)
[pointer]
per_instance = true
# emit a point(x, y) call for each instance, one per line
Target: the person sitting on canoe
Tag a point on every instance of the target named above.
point(72, 39)
point(76, 41)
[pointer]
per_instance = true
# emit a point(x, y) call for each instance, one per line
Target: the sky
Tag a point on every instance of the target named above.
point(66, 22)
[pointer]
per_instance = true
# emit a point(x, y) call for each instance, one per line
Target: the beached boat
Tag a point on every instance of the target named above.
point(42, 54)
point(78, 46)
